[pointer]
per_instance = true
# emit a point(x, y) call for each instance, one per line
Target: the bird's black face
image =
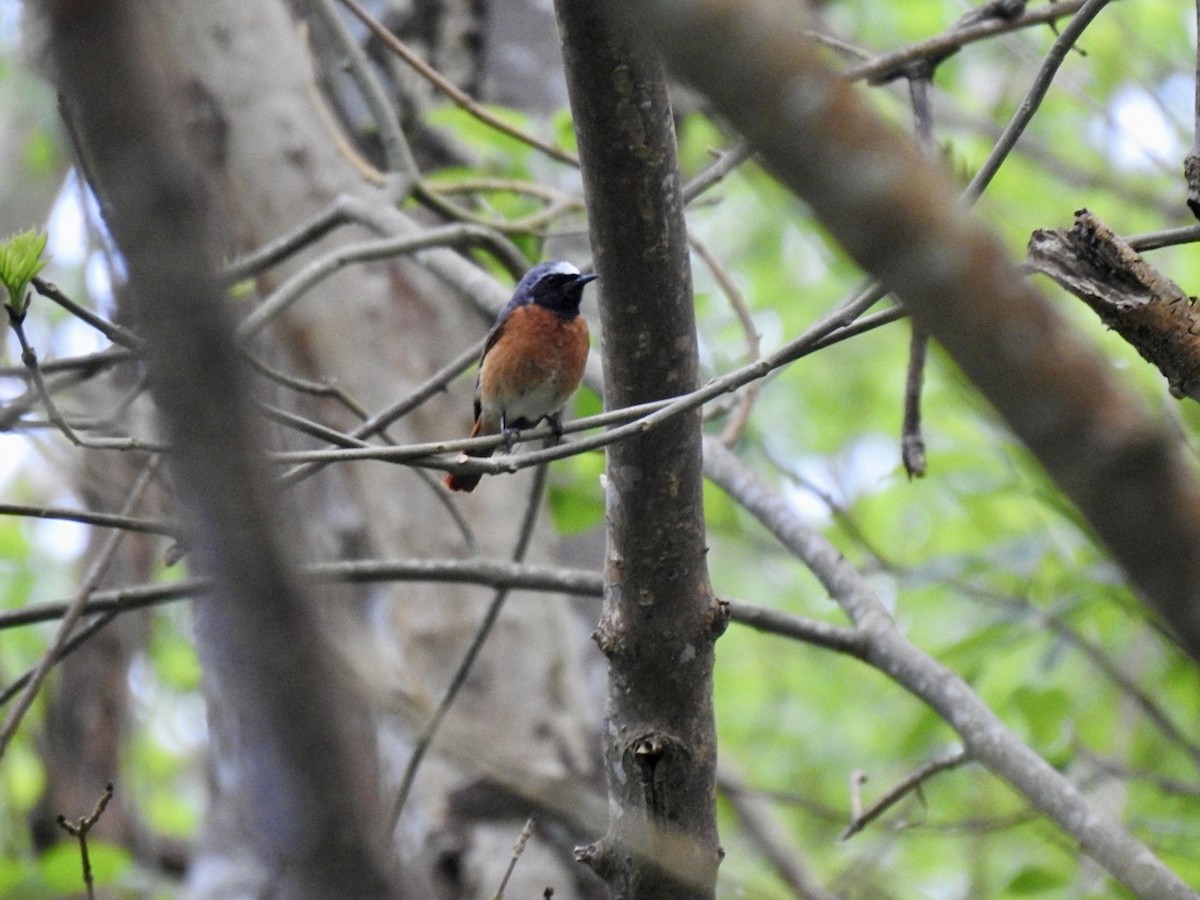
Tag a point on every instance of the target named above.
point(557, 286)
point(561, 293)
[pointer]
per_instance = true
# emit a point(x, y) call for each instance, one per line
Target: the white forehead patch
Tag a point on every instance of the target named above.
point(562, 268)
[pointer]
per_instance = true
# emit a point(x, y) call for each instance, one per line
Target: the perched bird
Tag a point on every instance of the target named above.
point(533, 359)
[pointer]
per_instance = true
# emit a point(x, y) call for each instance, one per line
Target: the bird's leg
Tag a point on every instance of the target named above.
point(510, 434)
point(555, 421)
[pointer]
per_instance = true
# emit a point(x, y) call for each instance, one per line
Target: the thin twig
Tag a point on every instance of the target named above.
point(340, 212)
point(115, 333)
point(425, 740)
point(775, 839)
point(459, 97)
point(1033, 98)
point(518, 849)
point(89, 517)
point(954, 38)
point(726, 162)
point(434, 384)
point(381, 248)
point(304, 425)
point(396, 151)
point(308, 386)
point(864, 817)
point(808, 631)
point(1169, 237)
point(494, 573)
point(557, 204)
point(75, 609)
point(737, 302)
point(912, 440)
point(79, 830)
point(29, 358)
point(86, 365)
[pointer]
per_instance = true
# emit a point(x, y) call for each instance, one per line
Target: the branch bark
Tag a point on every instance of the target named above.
point(1191, 162)
point(1129, 295)
point(984, 736)
point(900, 219)
point(660, 618)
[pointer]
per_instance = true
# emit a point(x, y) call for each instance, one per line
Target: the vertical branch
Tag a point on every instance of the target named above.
point(660, 618)
point(1191, 162)
point(299, 764)
point(912, 441)
point(79, 830)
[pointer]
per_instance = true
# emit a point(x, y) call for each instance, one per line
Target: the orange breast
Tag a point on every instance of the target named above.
point(533, 368)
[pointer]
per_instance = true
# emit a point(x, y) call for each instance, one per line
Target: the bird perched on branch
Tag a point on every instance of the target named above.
point(533, 359)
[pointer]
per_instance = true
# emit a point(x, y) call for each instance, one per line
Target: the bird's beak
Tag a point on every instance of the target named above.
point(584, 279)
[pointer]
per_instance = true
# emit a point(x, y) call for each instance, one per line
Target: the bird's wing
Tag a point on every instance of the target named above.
point(493, 336)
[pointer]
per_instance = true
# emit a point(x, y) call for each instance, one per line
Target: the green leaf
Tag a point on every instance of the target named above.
point(577, 504)
point(1036, 880)
point(22, 778)
point(505, 154)
point(20, 880)
point(20, 259)
point(41, 152)
point(62, 867)
point(1044, 710)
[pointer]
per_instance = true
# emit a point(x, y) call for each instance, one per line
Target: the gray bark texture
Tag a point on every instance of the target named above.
point(242, 83)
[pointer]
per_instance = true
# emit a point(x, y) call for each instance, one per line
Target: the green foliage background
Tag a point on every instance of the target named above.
point(982, 562)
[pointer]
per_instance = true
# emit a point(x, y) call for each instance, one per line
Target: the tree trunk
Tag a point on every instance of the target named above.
point(660, 618)
point(247, 91)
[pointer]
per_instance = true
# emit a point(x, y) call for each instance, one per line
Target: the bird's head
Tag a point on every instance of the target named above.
point(556, 285)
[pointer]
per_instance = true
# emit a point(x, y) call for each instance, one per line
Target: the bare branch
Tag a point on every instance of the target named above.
point(73, 612)
point(460, 98)
point(943, 45)
point(383, 248)
point(396, 150)
point(89, 517)
point(1033, 98)
point(904, 225)
point(771, 835)
point(737, 302)
point(459, 678)
point(79, 830)
point(864, 817)
point(984, 736)
point(259, 642)
point(115, 333)
point(1191, 163)
point(1129, 295)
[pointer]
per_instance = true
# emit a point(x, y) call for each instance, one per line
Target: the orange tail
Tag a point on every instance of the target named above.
point(466, 483)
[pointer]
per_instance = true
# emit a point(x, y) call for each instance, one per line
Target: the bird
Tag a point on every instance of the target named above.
point(532, 361)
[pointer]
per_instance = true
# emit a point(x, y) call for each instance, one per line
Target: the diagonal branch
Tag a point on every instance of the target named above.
point(898, 216)
point(1130, 296)
point(299, 770)
point(985, 738)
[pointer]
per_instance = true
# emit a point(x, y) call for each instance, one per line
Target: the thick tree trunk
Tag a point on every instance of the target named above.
point(660, 618)
point(246, 88)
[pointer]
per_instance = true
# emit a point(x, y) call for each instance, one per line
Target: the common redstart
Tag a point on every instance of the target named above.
point(533, 359)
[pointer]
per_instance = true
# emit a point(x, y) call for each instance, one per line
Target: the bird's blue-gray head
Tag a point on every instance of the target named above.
point(556, 285)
